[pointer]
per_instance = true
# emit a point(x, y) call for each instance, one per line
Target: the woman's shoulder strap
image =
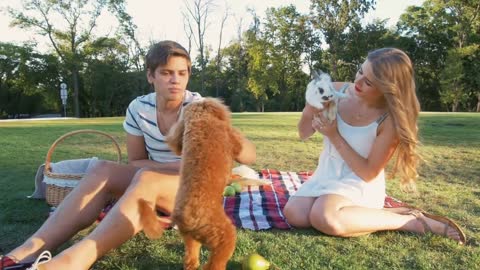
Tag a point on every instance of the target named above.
point(344, 88)
point(382, 118)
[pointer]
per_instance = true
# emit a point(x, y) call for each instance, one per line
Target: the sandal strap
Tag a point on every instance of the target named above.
point(420, 217)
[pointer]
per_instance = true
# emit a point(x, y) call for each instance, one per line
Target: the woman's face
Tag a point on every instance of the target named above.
point(363, 83)
point(171, 79)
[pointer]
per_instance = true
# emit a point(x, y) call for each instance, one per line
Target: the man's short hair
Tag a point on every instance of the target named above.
point(160, 52)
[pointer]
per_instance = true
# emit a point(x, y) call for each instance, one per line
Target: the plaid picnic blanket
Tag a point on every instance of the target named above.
point(260, 207)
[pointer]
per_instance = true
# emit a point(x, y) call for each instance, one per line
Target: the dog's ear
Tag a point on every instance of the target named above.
point(236, 139)
point(217, 108)
point(175, 137)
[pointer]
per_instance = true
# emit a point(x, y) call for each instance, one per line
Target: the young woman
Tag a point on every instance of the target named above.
point(345, 195)
point(152, 174)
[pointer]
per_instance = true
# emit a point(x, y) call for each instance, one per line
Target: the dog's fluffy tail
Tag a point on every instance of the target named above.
point(152, 227)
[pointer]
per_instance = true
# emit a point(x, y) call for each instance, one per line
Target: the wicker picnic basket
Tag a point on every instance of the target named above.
point(60, 183)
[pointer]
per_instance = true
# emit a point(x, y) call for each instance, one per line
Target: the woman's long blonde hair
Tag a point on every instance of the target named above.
point(393, 74)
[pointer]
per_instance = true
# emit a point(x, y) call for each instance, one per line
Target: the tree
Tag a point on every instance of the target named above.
point(68, 24)
point(28, 81)
point(333, 18)
point(128, 34)
point(286, 32)
point(359, 41)
point(234, 62)
point(108, 83)
point(442, 29)
point(196, 19)
point(258, 63)
point(452, 88)
point(218, 58)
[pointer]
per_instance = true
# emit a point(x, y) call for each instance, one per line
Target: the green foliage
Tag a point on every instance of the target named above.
point(334, 18)
point(452, 81)
point(28, 81)
point(265, 69)
point(69, 25)
point(109, 85)
point(443, 30)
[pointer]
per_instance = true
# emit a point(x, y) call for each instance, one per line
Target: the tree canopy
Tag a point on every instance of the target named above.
point(266, 68)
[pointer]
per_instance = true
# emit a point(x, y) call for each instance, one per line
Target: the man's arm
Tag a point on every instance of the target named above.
point(138, 156)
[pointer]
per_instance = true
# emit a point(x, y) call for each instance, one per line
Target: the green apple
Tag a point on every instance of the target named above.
point(255, 262)
point(237, 187)
point(229, 191)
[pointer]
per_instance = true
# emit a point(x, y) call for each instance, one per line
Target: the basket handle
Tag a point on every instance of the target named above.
point(48, 167)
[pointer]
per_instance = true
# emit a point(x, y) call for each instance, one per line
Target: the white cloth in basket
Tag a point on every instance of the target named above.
point(70, 167)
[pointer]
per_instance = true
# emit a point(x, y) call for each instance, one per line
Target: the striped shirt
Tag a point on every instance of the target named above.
point(141, 120)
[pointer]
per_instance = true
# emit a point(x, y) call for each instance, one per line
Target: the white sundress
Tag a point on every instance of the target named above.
point(334, 176)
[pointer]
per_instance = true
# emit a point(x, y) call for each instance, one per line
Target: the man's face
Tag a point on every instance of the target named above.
point(170, 80)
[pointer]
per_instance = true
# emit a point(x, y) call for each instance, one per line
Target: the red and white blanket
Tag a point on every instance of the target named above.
point(260, 207)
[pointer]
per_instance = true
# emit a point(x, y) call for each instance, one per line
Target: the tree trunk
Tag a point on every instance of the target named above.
point(76, 104)
point(478, 102)
point(454, 106)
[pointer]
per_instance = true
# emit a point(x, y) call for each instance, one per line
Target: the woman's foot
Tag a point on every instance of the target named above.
point(438, 225)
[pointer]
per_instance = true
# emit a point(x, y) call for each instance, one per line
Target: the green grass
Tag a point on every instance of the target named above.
point(449, 185)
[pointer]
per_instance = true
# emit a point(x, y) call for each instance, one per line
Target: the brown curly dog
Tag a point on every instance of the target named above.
point(208, 145)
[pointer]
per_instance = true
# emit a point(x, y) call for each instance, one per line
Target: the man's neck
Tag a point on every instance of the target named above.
point(168, 106)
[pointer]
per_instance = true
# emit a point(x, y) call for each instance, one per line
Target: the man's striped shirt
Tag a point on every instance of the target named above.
point(141, 120)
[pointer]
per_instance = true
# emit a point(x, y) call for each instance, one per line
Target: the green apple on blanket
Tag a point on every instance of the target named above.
point(243, 176)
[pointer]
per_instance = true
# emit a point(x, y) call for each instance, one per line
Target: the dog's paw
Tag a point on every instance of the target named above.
point(191, 264)
point(152, 227)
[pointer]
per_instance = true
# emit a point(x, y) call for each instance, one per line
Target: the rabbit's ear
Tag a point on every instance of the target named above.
point(333, 90)
point(315, 74)
point(341, 92)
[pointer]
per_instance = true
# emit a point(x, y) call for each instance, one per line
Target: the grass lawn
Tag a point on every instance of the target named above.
point(449, 185)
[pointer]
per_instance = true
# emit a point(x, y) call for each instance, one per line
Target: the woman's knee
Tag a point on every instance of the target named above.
point(327, 223)
point(296, 216)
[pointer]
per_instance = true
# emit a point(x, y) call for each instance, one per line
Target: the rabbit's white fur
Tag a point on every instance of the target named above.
point(321, 90)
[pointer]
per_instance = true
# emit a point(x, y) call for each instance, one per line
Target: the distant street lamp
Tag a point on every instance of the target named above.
point(63, 96)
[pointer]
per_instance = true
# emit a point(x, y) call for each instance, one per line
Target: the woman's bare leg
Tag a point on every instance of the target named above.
point(336, 215)
point(122, 222)
point(297, 211)
point(79, 209)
